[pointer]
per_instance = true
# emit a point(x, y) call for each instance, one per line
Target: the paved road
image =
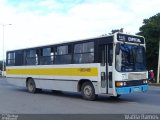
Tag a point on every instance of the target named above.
point(17, 100)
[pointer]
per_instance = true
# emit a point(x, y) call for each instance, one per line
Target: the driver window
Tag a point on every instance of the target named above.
point(139, 55)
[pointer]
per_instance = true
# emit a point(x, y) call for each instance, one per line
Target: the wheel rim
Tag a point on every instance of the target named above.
point(88, 90)
point(30, 86)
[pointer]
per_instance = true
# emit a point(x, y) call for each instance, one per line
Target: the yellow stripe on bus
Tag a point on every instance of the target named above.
point(54, 71)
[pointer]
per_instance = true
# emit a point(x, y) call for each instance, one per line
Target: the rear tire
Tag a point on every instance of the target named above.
point(88, 91)
point(31, 86)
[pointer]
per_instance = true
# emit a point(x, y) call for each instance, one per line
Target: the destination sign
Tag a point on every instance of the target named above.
point(130, 38)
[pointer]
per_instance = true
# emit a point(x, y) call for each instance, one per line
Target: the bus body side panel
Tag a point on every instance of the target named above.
point(57, 77)
point(17, 81)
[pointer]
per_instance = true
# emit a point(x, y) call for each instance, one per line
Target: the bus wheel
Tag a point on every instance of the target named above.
point(31, 86)
point(115, 97)
point(88, 91)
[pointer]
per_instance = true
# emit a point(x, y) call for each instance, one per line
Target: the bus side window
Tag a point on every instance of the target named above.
point(11, 58)
point(19, 58)
point(52, 57)
point(63, 56)
point(31, 57)
point(84, 52)
point(46, 56)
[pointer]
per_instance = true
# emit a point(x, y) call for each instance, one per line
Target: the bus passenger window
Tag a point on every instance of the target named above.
point(52, 57)
point(84, 53)
point(11, 59)
point(46, 56)
point(31, 57)
point(61, 50)
point(63, 57)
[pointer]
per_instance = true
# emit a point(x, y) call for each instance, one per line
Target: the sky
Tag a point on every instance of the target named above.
point(42, 22)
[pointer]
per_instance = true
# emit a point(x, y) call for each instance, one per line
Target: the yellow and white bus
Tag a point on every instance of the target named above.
point(112, 65)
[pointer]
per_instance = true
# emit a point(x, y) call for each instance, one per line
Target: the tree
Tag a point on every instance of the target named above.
point(1, 65)
point(151, 31)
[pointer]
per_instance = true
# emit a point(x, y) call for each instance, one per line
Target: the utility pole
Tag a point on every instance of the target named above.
point(3, 62)
point(158, 64)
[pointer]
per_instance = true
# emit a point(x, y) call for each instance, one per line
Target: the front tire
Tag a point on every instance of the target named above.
point(88, 91)
point(115, 97)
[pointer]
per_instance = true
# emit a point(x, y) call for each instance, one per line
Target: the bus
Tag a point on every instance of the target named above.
point(113, 65)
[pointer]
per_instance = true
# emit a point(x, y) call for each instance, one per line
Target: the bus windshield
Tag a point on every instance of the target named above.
point(130, 58)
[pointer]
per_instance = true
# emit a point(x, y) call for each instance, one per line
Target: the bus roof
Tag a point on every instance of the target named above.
point(73, 41)
point(65, 42)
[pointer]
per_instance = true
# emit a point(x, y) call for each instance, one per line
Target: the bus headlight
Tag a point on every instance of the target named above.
point(120, 84)
point(145, 81)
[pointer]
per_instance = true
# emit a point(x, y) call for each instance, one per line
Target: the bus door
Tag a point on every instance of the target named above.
point(106, 59)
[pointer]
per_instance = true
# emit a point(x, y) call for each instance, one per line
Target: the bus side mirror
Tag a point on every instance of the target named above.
point(117, 48)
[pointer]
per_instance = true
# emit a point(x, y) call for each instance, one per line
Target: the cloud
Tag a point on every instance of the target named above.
point(41, 22)
point(43, 7)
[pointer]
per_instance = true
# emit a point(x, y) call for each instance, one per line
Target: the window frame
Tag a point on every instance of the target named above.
point(62, 57)
point(11, 59)
point(90, 50)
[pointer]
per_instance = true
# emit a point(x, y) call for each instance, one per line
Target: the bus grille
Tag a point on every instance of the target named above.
point(136, 76)
point(134, 83)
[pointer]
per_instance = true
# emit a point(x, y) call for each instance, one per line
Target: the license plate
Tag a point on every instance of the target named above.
point(136, 89)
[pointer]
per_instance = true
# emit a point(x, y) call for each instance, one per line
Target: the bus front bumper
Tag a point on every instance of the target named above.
point(132, 89)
